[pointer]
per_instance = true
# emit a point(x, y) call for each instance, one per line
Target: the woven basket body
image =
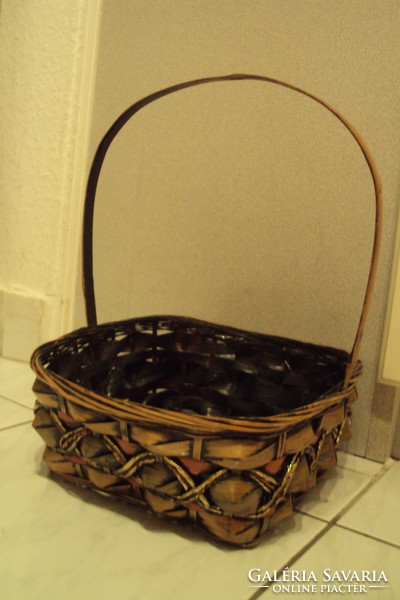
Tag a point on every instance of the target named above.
point(212, 425)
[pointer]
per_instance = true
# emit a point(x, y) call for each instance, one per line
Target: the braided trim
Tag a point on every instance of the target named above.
point(280, 491)
point(71, 439)
point(197, 492)
point(57, 421)
point(114, 448)
point(129, 468)
point(321, 441)
point(342, 427)
point(267, 482)
point(182, 476)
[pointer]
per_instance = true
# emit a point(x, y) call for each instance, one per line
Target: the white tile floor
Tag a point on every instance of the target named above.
point(59, 542)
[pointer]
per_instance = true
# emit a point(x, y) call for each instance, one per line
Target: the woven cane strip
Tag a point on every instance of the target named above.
point(281, 444)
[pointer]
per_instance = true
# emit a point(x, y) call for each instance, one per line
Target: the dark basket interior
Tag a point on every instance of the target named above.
point(195, 367)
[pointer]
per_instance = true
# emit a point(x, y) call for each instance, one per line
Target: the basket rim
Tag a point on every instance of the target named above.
point(193, 424)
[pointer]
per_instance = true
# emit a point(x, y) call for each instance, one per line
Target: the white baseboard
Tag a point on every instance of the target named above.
point(25, 323)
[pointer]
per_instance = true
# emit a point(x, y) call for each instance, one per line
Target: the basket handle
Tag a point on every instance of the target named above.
point(88, 283)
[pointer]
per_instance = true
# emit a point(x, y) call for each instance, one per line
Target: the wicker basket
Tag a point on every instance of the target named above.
point(211, 425)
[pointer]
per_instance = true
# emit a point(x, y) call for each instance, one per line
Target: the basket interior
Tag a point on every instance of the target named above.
point(195, 367)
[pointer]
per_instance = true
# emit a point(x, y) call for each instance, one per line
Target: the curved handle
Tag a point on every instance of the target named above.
point(88, 283)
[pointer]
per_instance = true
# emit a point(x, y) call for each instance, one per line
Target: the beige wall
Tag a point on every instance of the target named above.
point(244, 203)
point(46, 53)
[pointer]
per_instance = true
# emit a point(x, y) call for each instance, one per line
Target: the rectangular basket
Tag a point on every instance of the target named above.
point(214, 426)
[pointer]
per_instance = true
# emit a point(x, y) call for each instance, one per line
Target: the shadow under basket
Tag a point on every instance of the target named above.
point(210, 425)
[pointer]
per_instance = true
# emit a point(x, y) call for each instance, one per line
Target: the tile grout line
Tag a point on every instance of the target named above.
point(8, 427)
point(302, 512)
point(368, 535)
point(329, 525)
point(293, 559)
point(3, 397)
